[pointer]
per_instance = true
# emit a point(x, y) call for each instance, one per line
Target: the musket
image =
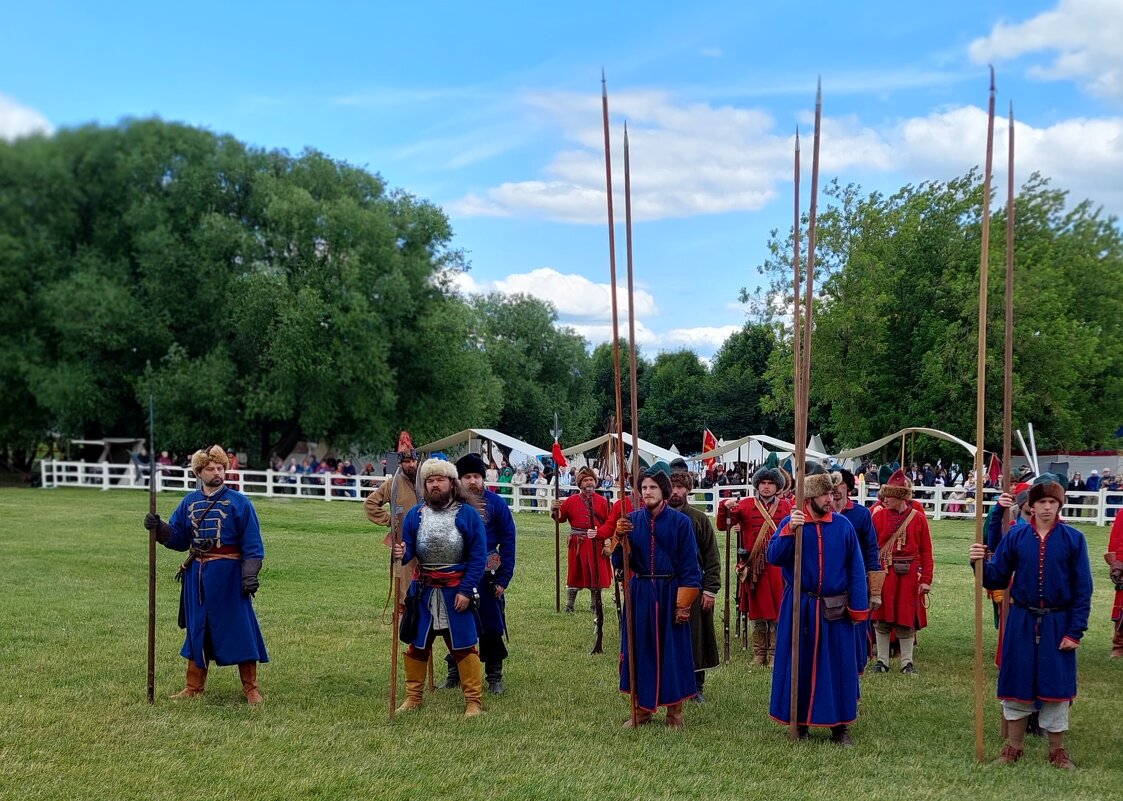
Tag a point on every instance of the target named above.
point(557, 527)
point(629, 616)
point(628, 629)
point(980, 429)
point(152, 551)
point(1008, 369)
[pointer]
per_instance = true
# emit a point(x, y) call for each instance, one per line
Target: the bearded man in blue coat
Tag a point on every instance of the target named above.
point(446, 534)
point(1050, 600)
point(833, 604)
point(218, 526)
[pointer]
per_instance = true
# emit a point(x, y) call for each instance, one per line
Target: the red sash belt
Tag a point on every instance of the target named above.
point(442, 578)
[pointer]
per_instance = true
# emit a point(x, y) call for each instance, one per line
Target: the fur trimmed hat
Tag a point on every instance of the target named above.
point(584, 473)
point(437, 467)
point(1021, 493)
point(682, 478)
point(817, 484)
point(679, 465)
point(471, 463)
point(204, 456)
point(772, 474)
point(660, 473)
point(898, 486)
point(405, 446)
point(1046, 489)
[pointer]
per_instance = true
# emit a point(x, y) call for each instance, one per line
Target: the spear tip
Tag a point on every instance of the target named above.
point(991, 66)
point(797, 138)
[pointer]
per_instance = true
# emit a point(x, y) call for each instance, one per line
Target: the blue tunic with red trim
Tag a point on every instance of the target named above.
point(828, 672)
point(1050, 599)
point(664, 558)
point(862, 521)
point(221, 624)
point(500, 530)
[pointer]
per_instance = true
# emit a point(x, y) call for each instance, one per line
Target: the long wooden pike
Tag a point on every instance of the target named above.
point(629, 617)
point(396, 614)
point(1008, 370)
point(803, 366)
point(152, 478)
point(980, 428)
point(798, 456)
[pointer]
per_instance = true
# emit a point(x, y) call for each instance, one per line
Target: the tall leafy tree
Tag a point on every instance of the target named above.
point(676, 405)
point(738, 383)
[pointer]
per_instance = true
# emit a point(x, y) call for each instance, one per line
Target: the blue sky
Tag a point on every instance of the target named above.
point(492, 110)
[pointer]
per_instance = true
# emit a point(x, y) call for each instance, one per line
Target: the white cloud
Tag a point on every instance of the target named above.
point(1081, 36)
point(707, 338)
point(17, 120)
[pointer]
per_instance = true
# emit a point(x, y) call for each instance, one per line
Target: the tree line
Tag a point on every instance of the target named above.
point(263, 299)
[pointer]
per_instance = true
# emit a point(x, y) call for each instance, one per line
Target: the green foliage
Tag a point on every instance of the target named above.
point(737, 401)
point(74, 722)
point(677, 404)
point(603, 386)
point(263, 298)
point(896, 315)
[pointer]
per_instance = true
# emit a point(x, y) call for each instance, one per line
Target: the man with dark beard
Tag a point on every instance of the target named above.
point(703, 638)
point(446, 535)
point(500, 567)
point(219, 528)
point(401, 493)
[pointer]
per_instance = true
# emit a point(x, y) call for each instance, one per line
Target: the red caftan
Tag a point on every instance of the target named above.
point(588, 567)
point(1115, 545)
point(901, 601)
point(759, 596)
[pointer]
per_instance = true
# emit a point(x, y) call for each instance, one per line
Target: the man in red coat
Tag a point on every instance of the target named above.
point(1114, 557)
point(905, 544)
point(585, 511)
point(761, 585)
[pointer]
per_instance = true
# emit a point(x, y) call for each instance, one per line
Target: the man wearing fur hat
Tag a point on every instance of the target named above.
point(666, 580)
point(833, 600)
point(703, 637)
point(842, 485)
point(400, 492)
point(446, 534)
point(905, 543)
point(218, 526)
point(760, 586)
point(1045, 565)
point(585, 512)
point(500, 568)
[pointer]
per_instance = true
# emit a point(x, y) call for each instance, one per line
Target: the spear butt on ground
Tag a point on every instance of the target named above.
point(151, 552)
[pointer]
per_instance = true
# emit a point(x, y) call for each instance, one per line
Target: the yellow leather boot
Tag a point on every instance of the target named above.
point(472, 683)
point(416, 671)
point(248, 673)
point(196, 682)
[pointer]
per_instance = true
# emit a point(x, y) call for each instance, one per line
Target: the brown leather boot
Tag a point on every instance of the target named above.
point(416, 671)
point(674, 715)
point(472, 683)
point(1117, 644)
point(196, 682)
point(248, 673)
point(770, 645)
point(760, 646)
point(1059, 758)
point(643, 717)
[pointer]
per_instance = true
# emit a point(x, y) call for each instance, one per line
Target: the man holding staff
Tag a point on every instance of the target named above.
point(1045, 565)
point(218, 526)
point(585, 511)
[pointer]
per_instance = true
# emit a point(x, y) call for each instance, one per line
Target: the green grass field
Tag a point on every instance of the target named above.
point(74, 723)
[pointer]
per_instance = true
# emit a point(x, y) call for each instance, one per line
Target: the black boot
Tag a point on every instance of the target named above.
point(494, 671)
point(700, 680)
point(840, 735)
point(453, 680)
point(570, 598)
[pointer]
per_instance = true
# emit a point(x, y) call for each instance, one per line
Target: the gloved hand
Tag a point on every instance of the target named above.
point(250, 569)
point(623, 527)
point(152, 521)
point(163, 531)
point(1117, 572)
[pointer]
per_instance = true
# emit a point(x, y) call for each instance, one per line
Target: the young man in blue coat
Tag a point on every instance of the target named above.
point(218, 526)
point(1050, 599)
point(446, 534)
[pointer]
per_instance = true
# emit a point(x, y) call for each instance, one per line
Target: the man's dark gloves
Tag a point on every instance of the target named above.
point(152, 522)
point(250, 569)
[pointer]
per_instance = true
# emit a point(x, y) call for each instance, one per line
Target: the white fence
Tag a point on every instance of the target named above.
point(939, 503)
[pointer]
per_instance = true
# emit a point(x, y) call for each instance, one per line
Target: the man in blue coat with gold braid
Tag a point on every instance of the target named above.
point(446, 534)
point(666, 580)
point(1050, 600)
point(219, 528)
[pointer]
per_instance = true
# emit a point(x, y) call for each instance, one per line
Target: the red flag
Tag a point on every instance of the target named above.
point(994, 472)
point(709, 443)
point(559, 457)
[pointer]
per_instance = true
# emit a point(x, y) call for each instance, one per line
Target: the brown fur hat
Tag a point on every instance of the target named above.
point(1046, 489)
point(584, 473)
point(817, 484)
point(204, 456)
point(898, 486)
point(682, 479)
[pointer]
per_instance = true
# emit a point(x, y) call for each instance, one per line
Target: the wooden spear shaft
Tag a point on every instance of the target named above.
point(797, 466)
point(396, 614)
point(980, 428)
point(633, 384)
point(152, 552)
point(1008, 369)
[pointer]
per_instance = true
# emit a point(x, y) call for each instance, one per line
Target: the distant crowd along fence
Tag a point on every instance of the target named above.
point(940, 503)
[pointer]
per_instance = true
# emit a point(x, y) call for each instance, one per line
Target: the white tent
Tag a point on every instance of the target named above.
point(647, 451)
point(862, 450)
point(783, 449)
point(474, 439)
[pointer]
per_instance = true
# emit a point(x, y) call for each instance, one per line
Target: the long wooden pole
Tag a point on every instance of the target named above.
point(152, 479)
point(1008, 369)
point(633, 384)
point(557, 545)
point(396, 615)
point(980, 428)
point(798, 456)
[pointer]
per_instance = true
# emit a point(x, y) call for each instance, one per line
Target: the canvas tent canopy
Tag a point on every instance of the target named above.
point(862, 450)
point(784, 449)
point(473, 439)
point(648, 452)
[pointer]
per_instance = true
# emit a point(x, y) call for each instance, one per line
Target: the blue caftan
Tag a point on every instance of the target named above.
point(664, 558)
point(828, 672)
point(862, 521)
point(1053, 577)
point(463, 627)
point(220, 620)
point(500, 530)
